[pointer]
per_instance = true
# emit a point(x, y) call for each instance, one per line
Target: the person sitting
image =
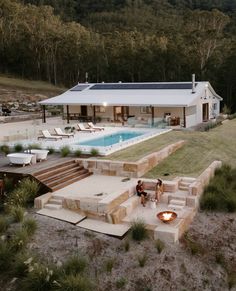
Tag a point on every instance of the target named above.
point(159, 190)
point(141, 193)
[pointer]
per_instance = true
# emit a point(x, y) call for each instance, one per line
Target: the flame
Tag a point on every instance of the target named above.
point(167, 216)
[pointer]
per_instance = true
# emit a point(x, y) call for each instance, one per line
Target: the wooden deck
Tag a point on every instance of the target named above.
point(52, 160)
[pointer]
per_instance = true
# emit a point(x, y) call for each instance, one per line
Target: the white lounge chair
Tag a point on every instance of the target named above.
point(82, 128)
point(92, 126)
point(59, 132)
point(47, 135)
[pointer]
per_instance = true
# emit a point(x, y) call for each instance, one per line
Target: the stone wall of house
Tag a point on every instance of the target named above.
point(129, 169)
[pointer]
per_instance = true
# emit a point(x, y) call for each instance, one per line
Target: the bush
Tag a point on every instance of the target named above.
point(109, 264)
point(4, 224)
point(51, 150)
point(138, 230)
point(220, 195)
point(34, 146)
point(19, 240)
point(5, 149)
point(74, 283)
point(65, 151)
point(74, 265)
point(30, 226)
point(94, 152)
point(160, 245)
point(25, 192)
point(78, 153)
point(17, 213)
point(120, 283)
point(142, 260)
point(126, 245)
point(30, 187)
point(5, 256)
point(18, 147)
point(41, 277)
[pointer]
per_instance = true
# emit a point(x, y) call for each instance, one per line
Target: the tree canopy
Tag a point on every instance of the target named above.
point(121, 40)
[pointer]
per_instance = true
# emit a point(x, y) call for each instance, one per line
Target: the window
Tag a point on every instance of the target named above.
point(214, 106)
point(145, 110)
point(100, 109)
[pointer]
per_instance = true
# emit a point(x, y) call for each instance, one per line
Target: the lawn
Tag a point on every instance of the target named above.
point(200, 150)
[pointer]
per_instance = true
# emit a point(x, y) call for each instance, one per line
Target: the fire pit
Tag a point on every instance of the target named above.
point(167, 216)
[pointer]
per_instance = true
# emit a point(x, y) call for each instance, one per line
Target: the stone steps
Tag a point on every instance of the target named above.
point(175, 207)
point(52, 206)
point(178, 202)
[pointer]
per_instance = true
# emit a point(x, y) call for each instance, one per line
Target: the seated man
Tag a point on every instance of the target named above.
point(141, 193)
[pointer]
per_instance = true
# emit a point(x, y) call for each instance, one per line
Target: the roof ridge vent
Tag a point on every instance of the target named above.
point(193, 84)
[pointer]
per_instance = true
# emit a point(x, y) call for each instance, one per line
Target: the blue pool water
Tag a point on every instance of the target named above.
point(111, 139)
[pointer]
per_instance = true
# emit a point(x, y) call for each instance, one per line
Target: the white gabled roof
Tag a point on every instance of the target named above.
point(173, 94)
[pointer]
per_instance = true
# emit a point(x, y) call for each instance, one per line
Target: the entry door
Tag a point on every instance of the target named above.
point(205, 112)
point(84, 111)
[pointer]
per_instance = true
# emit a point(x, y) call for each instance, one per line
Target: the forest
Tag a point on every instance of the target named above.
point(62, 41)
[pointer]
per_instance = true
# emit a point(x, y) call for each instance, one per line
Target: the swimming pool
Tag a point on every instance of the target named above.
point(111, 139)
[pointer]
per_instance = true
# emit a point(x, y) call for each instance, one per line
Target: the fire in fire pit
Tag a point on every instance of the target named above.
point(167, 216)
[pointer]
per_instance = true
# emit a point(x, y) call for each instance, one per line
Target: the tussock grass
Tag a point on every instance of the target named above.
point(74, 282)
point(120, 283)
point(138, 230)
point(17, 213)
point(220, 194)
point(142, 260)
point(30, 226)
point(65, 151)
point(159, 245)
point(109, 264)
point(74, 265)
point(4, 224)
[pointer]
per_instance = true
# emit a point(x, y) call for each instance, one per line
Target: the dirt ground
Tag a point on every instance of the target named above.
point(213, 238)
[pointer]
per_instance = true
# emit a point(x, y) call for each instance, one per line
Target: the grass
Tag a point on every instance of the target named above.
point(109, 264)
point(138, 230)
point(27, 84)
point(159, 245)
point(220, 195)
point(216, 144)
point(30, 226)
point(120, 283)
point(65, 151)
point(74, 282)
point(142, 260)
point(17, 213)
point(74, 265)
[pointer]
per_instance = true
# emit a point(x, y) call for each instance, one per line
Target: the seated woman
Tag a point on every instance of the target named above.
point(159, 190)
point(141, 193)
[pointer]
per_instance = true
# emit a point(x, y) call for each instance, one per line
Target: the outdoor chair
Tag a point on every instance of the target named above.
point(47, 135)
point(59, 132)
point(82, 128)
point(92, 126)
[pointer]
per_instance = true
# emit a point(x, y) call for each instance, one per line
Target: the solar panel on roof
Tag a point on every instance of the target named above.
point(138, 86)
point(79, 88)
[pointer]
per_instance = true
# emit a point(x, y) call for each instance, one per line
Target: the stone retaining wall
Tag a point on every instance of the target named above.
point(197, 187)
point(129, 169)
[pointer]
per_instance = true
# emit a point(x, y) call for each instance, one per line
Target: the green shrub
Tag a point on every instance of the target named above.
point(65, 151)
point(231, 280)
point(22, 263)
point(17, 213)
point(209, 201)
point(74, 283)
point(126, 245)
point(19, 240)
point(30, 187)
point(5, 149)
point(4, 224)
point(78, 153)
point(160, 245)
point(232, 116)
point(51, 150)
point(120, 283)
point(8, 184)
point(6, 255)
point(18, 147)
point(138, 230)
point(30, 226)
point(142, 260)
point(40, 278)
point(109, 264)
point(94, 152)
point(34, 146)
point(74, 265)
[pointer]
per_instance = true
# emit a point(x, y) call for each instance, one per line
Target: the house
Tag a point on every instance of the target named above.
point(184, 104)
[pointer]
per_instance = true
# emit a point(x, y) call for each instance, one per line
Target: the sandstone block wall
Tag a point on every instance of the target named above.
point(129, 169)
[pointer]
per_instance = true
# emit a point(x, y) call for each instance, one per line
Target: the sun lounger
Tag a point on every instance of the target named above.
point(92, 126)
point(47, 135)
point(59, 132)
point(82, 128)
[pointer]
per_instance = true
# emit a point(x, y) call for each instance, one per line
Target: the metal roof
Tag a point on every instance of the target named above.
point(172, 94)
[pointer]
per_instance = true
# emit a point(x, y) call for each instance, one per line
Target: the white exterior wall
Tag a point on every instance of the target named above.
point(191, 116)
